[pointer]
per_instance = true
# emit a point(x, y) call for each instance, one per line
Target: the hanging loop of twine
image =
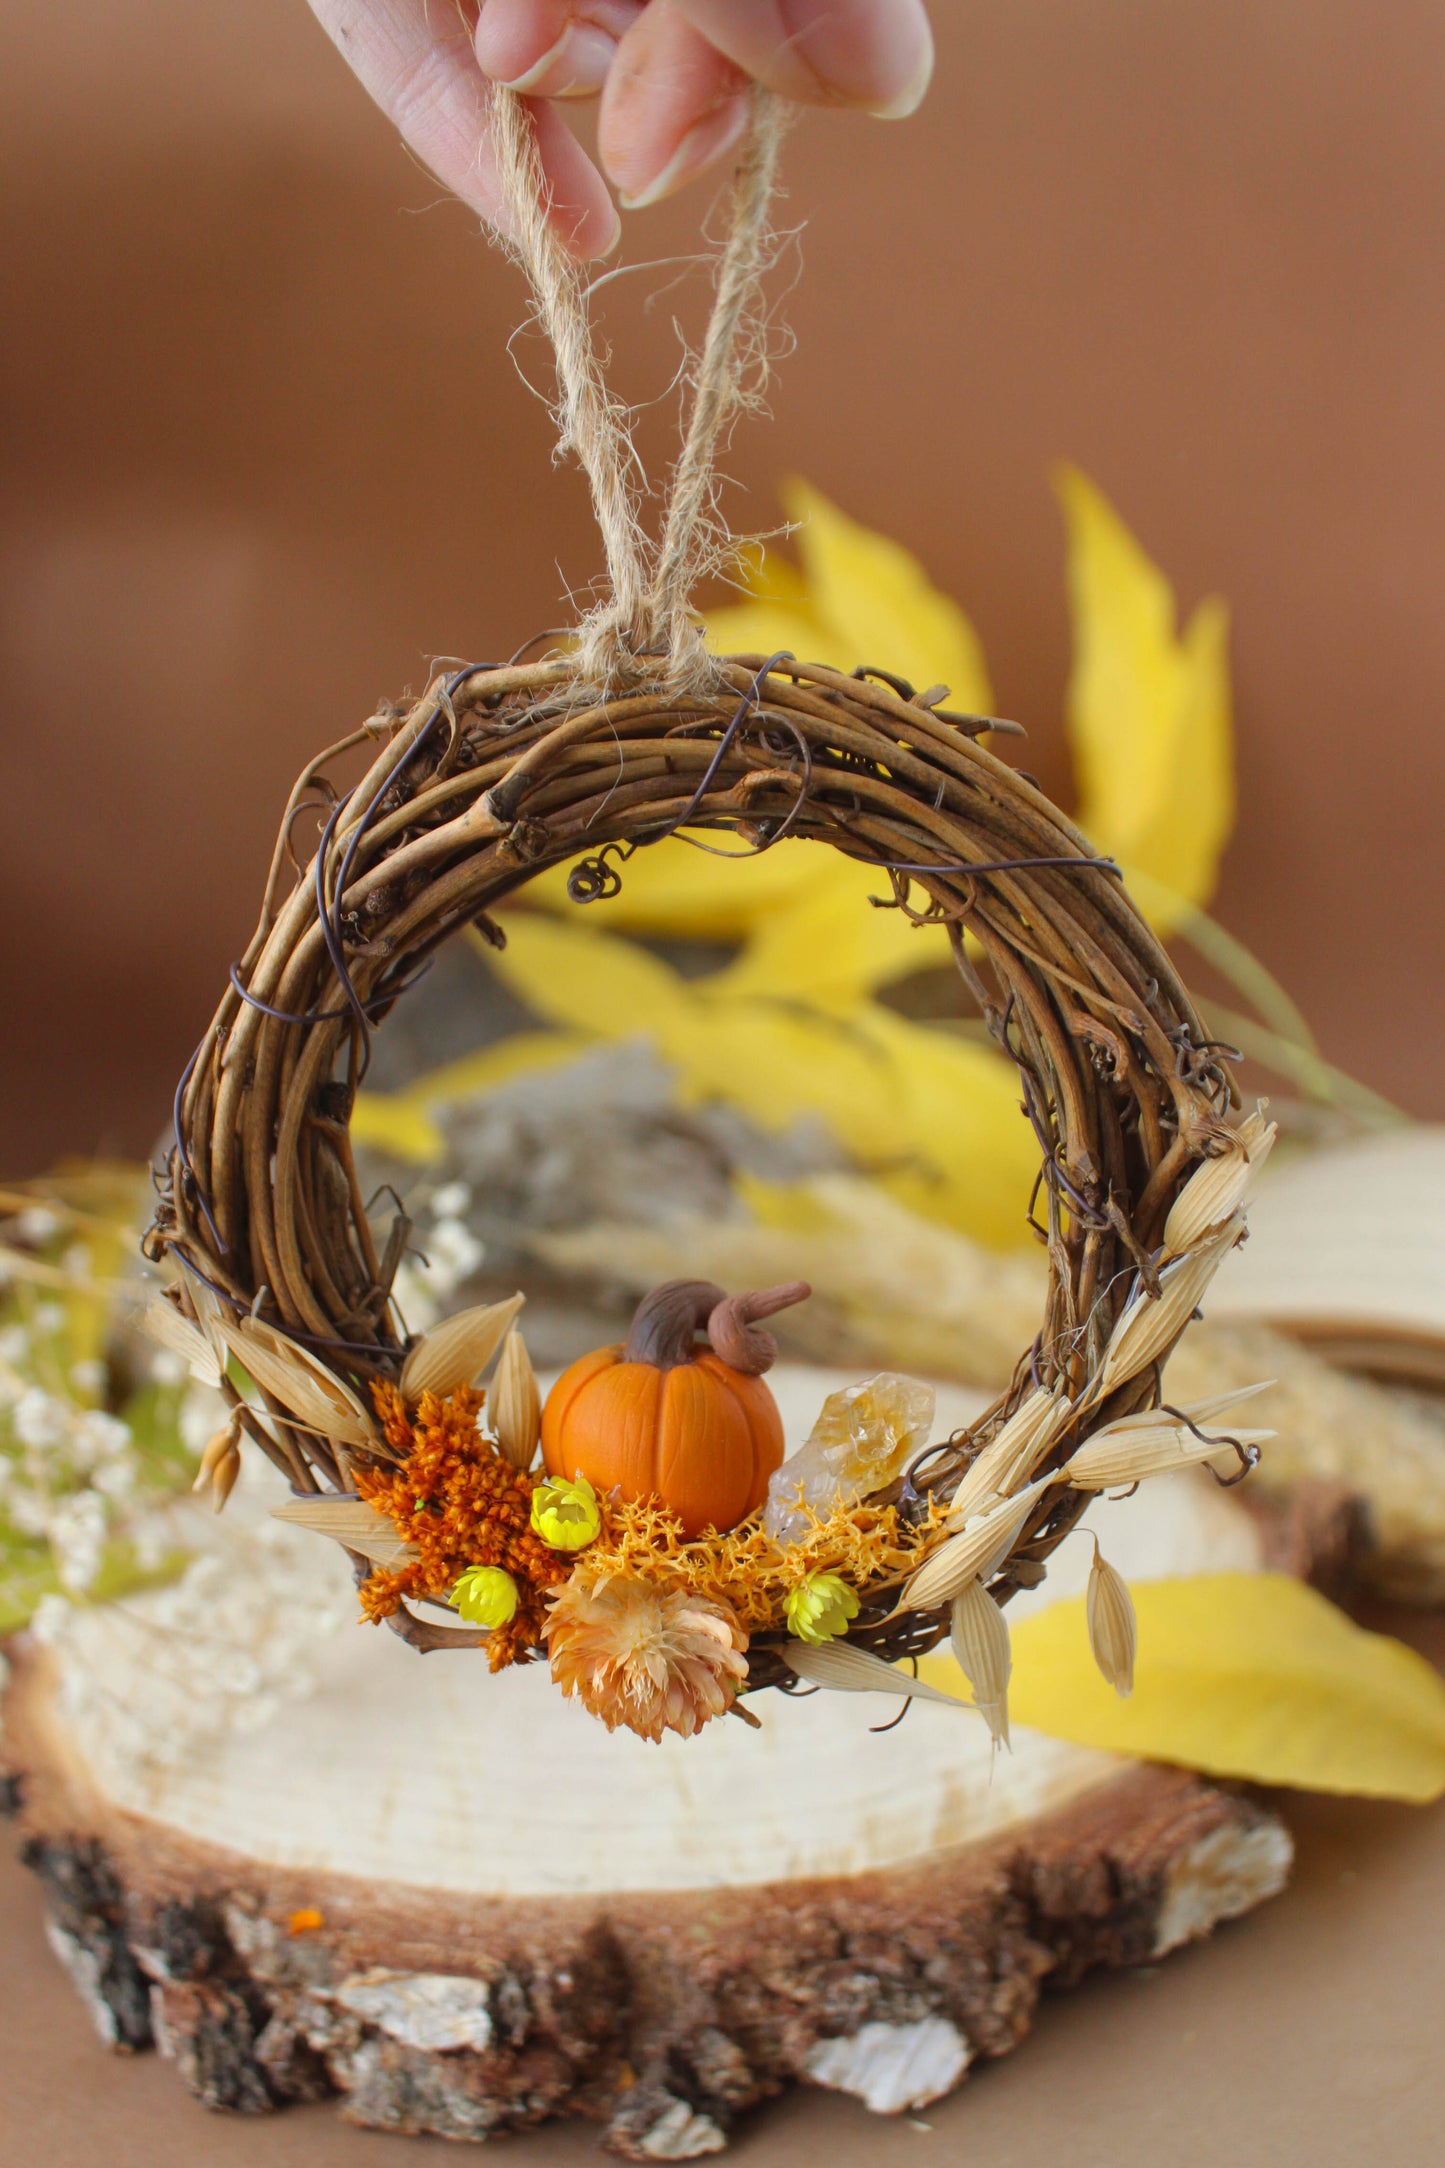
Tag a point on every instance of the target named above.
point(648, 609)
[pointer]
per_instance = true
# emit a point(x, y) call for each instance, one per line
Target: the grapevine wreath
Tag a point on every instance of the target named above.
point(663, 1557)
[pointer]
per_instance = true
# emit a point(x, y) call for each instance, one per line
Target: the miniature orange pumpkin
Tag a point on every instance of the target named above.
point(661, 1417)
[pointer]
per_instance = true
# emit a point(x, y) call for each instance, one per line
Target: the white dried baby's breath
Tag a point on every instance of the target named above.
point(1132, 1452)
point(1011, 1458)
point(457, 1351)
point(976, 1550)
point(1219, 1188)
point(1113, 1630)
point(515, 1406)
point(858, 1671)
point(1152, 1323)
point(979, 1634)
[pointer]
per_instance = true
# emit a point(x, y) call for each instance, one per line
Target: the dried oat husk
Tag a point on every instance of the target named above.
point(980, 1638)
point(516, 1409)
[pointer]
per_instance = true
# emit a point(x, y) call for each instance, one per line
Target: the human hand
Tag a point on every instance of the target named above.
point(672, 76)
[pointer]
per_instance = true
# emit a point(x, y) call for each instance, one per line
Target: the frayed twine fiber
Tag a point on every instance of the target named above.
point(648, 609)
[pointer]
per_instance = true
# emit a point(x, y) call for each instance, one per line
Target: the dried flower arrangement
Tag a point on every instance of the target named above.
point(667, 1561)
point(496, 773)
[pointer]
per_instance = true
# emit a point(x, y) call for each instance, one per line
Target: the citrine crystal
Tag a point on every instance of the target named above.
point(863, 1439)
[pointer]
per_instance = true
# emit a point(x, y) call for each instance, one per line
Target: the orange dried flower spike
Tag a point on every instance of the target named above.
point(459, 1504)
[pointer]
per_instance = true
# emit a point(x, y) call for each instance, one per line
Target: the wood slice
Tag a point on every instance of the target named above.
point(460, 1904)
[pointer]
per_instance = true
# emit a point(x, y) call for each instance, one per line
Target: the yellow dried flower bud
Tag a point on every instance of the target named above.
point(565, 1513)
point(1113, 1634)
point(820, 1608)
point(516, 1404)
point(486, 1596)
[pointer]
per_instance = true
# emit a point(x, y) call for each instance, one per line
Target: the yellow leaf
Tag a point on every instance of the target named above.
point(585, 980)
point(831, 944)
point(772, 1062)
point(956, 1117)
point(1247, 1675)
point(1149, 711)
point(760, 627)
point(470, 1076)
point(878, 605)
point(391, 1122)
point(935, 1117)
point(673, 888)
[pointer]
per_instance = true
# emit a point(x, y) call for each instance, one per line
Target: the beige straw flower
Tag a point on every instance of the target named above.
point(649, 1658)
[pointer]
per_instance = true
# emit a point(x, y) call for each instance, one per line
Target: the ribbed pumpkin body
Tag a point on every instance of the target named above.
point(701, 1437)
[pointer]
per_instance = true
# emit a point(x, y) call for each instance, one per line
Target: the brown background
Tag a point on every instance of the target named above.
point(264, 452)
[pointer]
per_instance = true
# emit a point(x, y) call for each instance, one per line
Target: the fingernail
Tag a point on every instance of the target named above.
point(705, 140)
point(575, 67)
point(911, 97)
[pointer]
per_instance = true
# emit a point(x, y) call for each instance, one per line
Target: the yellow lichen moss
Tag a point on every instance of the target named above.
point(866, 1545)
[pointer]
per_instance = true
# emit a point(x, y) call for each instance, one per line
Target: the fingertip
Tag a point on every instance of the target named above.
point(672, 106)
point(575, 66)
point(876, 56)
point(706, 143)
point(905, 101)
point(583, 213)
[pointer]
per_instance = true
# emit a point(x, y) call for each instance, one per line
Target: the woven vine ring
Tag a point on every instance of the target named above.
point(497, 774)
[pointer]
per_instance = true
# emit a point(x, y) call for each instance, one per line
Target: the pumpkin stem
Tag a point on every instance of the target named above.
point(735, 1335)
point(668, 1321)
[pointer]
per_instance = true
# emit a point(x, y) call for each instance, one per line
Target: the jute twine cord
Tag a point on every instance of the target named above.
point(649, 603)
point(590, 422)
point(499, 772)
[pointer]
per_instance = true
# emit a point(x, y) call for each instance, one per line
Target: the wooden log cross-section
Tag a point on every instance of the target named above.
point(459, 1904)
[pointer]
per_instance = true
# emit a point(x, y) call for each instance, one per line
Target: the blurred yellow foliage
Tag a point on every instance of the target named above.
point(1149, 713)
point(791, 1026)
point(1247, 1675)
